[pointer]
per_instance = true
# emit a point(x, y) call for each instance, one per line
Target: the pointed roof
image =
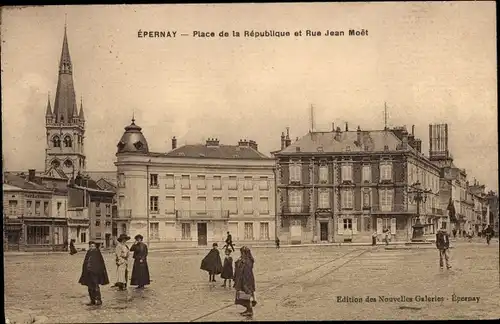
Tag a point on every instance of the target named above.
point(81, 115)
point(65, 103)
point(48, 113)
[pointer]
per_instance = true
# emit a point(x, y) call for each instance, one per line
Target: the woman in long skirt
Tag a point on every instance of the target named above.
point(140, 271)
point(244, 281)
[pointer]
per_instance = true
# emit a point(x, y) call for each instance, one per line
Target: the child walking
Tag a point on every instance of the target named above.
point(227, 268)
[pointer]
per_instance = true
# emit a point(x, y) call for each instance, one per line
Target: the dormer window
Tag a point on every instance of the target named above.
point(120, 145)
point(138, 145)
point(67, 141)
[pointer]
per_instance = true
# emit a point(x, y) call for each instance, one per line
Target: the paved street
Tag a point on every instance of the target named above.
point(292, 284)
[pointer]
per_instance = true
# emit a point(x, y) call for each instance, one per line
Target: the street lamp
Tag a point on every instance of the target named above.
point(418, 195)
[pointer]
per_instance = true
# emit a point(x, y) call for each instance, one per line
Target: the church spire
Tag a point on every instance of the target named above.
point(81, 116)
point(65, 103)
point(48, 113)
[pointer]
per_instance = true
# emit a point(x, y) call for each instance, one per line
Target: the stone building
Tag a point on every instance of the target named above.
point(194, 194)
point(343, 185)
point(493, 214)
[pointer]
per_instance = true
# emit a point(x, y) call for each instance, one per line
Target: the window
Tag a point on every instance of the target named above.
point(295, 172)
point(323, 199)
point(233, 205)
point(186, 231)
point(217, 183)
point(98, 223)
point(170, 182)
point(201, 182)
point(247, 205)
point(185, 182)
point(295, 200)
point(98, 235)
point(154, 231)
point(346, 172)
point(83, 237)
point(248, 183)
point(46, 208)
point(12, 207)
point(59, 204)
point(248, 231)
point(170, 205)
point(37, 208)
point(56, 141)
point(28, 207)
point(186, 203)
point(67, 141)
point(217, 203)
point(386, 171)
point(389, 223)
point(202, 204)
point(367, 173)
point(121, 180)
point(153, 204)
point(347, 224)
point(366, 198)
point(153, 180)
point(263, 183)
point(55, 163)
point(264, 231)
point(233, 183)
point(386, 200)
point(323, 174)
point(38, 234)
point(264, 205)
point(347, 199)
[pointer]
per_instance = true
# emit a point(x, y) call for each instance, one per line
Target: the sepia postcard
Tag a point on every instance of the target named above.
point(250, 162)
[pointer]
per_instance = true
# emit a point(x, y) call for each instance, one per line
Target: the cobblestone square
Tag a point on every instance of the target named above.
point(300, 283)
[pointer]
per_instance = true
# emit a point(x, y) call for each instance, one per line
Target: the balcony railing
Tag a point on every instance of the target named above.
point(395, 208)
point(124, 213)
point(295, 210)
point(202, 214)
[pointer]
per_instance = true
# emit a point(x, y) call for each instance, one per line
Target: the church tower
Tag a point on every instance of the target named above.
point(65, 125)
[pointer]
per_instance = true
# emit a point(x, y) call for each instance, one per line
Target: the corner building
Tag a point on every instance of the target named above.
point(342, 186)
point(193, 194)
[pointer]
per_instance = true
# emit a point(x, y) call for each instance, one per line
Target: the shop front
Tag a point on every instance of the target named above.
point(13, 230)
point(45, 235)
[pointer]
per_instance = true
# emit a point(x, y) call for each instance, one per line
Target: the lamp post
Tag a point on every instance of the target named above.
point(418, 195)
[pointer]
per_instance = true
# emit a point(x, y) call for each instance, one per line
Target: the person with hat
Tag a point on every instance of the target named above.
point(122, 254)
point(140, 271)
point(94, 273)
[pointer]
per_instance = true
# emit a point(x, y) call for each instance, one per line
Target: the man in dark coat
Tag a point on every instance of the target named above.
point(489, 232)
point(140, 271)
point(443, 245)
point(94, 273)
point(229, 242)
point(72, 249)
point(212, 263)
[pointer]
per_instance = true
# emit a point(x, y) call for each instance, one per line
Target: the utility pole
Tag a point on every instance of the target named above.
point(385, 115)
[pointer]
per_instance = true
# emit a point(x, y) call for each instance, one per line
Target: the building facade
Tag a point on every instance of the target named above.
point(194, 194)
point(343, 185)
point(65, 125)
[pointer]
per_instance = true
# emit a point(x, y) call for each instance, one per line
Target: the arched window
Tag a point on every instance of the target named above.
point(55, 163)
point(68, 163)
point(56, 141)
point(67, 141)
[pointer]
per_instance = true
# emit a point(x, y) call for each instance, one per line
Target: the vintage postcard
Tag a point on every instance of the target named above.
point(250, 162)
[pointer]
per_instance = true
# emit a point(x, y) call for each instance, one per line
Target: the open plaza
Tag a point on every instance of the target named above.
point(293, 283)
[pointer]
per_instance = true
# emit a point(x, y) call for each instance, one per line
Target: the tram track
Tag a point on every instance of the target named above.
point(351, 255)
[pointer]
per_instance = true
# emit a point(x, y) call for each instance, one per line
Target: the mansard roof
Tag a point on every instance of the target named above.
point(215, 152)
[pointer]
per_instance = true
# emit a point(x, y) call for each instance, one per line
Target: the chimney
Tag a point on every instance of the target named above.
point(174, 143)
point(413, 130)
point(405, 140)
point(418, 145)
point(288, 141)
point(282, 140)
point(253, 145)
point(243, 143)
point(358, 136)
point(338, 132)
point(31, 175)
point(212, 142)
point(333, 127)
point(346, 127)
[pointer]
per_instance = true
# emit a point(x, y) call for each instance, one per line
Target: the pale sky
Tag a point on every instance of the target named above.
point(431, 63)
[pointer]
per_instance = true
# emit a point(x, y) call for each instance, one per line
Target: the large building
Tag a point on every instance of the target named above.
point(194, 194)
point(343, 185)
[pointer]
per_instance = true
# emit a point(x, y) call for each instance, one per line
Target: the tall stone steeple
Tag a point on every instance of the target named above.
point(65, 127)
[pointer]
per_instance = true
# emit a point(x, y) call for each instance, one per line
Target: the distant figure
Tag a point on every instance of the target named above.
point(443, 245)
point(72, 249)
point(229, 242)
point(454, 233)
point(94, 273)
point(227, 269)
point(244, 281)
point(387, 236)
point(140, 271)
point(277, 241)
point(211, 263)
point(122, 255)
point(470, 235)
point(489, 232)
point(374, 238)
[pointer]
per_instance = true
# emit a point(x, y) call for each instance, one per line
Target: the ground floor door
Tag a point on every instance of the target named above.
point(202, 233)
point(13, 240)
point(108, 240)
point(296, 232)
point(323, 231)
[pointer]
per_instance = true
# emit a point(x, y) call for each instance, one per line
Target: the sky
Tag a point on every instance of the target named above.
point(430, 62)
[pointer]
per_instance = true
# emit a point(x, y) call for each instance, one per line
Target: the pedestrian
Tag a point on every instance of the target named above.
point(387, 236)
point(122, 254)
point(454, 233)
point(374, 238)
point(489, 232)
point(140, 271)
point(229, 242)
point(227, 269)
point(469, 236)
point(277, 241)
point(443, 245)
point(94, 273)
point(72, 249)
point(244, 282)
point(212, 263)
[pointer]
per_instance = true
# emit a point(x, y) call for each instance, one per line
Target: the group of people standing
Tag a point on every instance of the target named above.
point(243, 277)
point(94, 271)
point(487, 232)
